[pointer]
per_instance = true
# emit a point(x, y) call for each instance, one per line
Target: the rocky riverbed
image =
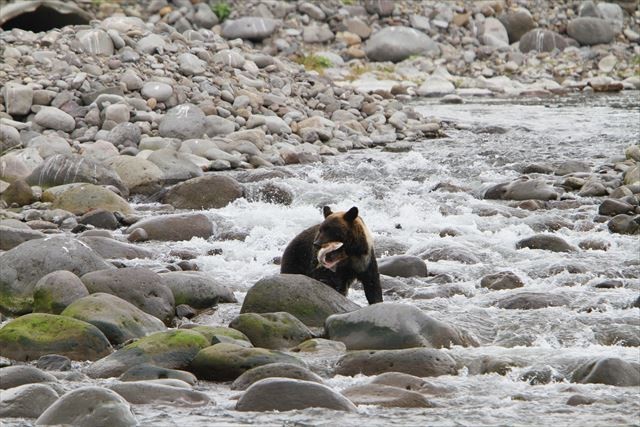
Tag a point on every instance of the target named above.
point(156, 160)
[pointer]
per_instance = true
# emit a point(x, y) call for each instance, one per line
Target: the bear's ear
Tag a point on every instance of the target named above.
point(351, 214)
point(326, 211)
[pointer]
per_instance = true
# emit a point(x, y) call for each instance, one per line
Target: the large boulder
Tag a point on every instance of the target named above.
point(22, 267)
point(226, 362)
point(421, 362)
point(283, 370)
point(540, 40)
point(398, 43)
point(284, 394)
point(249, 28)
point(205, 192)
point(33, 335)
point(66, 169)
point(56, 290)
point(140, 175)
point(175, 227)
point(26, 401)
point(272, 330)
point(140, 286)
point(88, 407)
point(307, 299)
point(184, 121)
point(82, 198)
point(17, 375)
point(119, 320)
point(608, 370)
point(174, 349)
point(393, 326)
point(175, 166)
point(197, 289)
point(590, 31)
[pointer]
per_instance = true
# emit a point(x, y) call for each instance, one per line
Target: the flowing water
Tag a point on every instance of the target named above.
point(489, 143)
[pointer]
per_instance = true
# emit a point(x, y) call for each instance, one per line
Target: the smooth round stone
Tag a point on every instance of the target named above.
point(157, 90)
point(53, 118)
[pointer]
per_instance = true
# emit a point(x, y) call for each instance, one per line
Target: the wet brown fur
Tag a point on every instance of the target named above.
point(301, 255)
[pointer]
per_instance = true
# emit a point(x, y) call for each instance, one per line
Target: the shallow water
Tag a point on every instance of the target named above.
point(490, 142)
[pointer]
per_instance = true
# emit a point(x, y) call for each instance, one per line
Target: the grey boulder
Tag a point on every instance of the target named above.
point(398, 43)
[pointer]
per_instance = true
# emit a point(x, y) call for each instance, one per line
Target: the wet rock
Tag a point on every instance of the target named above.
point(82, 198)
point(500, 281)
point(249, 28)
point(624, 224)
point(226, 362)
point(578, 400)
point(594, 244)
point(282, 370)
point(402, 266)
point(393, 326)
point(15, 376)
point(199, 290)
point(26, 401)
point(386, 396)
point(405, 381)
point(608, 370)
point(33, 335)
point(22, 267)
point(541, 40)
point(528, 190)
point(118, 319)
point(11, 237)
point(113, 249)
point(175, 227)
point(541, 375)
point(174, 349)
point(56, 290)
point(398, 43)
point(612, 207)
point(53, 118)
point(147, 392)
point(275, 394)
point(532, 301)
point(139, 175)
point(307, 299)
point(100, 218)
point(206, 192)
point(65, 169)
point(185, 121)
point(590, 31)
point(89, 406)
point(137, 285)
point(272, 330)
point(54, 362)
point(146, 371)
point(423, 362)
point(451, 253)
point(517, 23)
point(175, 166)
point(545, 242)
point(274, 193)
point(320, 345)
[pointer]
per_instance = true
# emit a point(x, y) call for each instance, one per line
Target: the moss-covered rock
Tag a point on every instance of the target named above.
point(272, 330)
point(226, 362)
point(22, 267)
point(55, 291)
point(211, 332)
point(119, 320)
point(171, 349)
point(307, 299)
point(34, 335)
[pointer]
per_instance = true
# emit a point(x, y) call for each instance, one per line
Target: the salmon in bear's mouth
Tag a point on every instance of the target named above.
point(330, 254)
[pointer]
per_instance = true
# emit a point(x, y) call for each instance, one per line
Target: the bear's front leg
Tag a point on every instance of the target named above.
point(370, 280)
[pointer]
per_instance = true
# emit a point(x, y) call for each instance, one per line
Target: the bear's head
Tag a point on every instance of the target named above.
point(341, 236)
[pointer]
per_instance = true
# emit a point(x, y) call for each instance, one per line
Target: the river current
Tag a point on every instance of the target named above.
point(488, 141)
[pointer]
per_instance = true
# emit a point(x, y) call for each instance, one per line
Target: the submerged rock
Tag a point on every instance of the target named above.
point(608, 370)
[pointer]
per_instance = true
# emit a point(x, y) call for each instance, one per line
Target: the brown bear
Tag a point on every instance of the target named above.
point(336, 252)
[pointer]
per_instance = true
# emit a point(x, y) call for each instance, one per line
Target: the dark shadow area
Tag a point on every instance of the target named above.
point(43, 18)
